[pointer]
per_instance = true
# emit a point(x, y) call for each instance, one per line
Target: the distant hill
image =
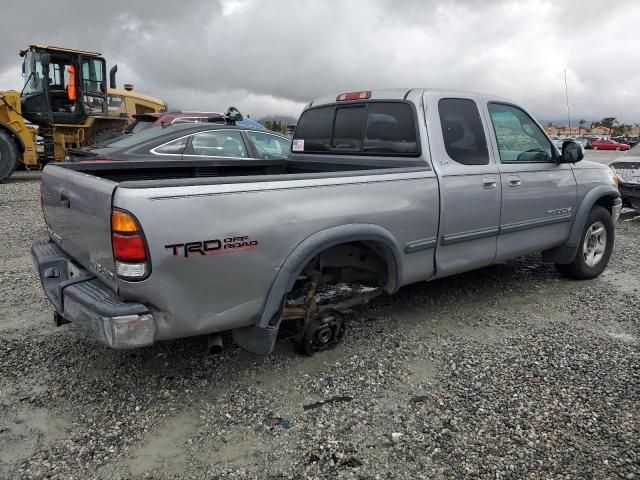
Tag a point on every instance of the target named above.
point(278, 118)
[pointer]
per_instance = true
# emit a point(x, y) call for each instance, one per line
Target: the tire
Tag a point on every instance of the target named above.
point(8, 156)
point(617, 149)
point(595, 148)
point(594, 250)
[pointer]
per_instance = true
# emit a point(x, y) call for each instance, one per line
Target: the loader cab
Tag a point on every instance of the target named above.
point(62, 86)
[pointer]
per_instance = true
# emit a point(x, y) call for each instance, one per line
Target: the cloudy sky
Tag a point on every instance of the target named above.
point(271, 57)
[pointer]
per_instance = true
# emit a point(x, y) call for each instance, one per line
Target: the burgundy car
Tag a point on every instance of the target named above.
point(604, 144)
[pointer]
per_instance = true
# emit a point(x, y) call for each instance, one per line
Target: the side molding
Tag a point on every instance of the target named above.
point(566, 253)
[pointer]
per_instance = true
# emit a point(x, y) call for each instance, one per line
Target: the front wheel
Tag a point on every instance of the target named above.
point(594, 251)
point(617, 149)
point(8, 156)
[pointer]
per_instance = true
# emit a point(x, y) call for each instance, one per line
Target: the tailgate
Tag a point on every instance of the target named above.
point(77, 210)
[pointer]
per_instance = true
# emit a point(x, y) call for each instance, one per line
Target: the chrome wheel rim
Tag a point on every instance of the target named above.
point(595, 243)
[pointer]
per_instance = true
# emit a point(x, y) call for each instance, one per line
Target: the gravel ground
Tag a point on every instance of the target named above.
point(506, 372)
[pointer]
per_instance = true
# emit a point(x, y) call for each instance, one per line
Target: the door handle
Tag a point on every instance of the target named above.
point(515, 181)
point(489, 182)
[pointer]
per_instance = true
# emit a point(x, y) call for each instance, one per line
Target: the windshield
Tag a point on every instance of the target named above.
point(33, 74)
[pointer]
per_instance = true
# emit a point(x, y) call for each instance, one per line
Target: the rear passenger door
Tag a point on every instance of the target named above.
point(469, 184)
point(538, 194)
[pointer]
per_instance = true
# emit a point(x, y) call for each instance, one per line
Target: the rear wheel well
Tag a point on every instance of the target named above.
point(360, 261)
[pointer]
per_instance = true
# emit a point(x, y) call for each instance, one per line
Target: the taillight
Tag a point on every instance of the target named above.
point(129, 247)
point(364, 95)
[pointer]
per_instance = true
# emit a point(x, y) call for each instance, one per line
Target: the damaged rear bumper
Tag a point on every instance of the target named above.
point(82, 299)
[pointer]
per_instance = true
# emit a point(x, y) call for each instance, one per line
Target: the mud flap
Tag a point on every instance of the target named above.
point(256, 339)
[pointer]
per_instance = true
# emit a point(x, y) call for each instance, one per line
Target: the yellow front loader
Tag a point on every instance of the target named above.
point(65, 103)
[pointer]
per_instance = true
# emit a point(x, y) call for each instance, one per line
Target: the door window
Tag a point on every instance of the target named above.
point(219, 143)
point(270, 147)
point(462, 130)
point(519, 137)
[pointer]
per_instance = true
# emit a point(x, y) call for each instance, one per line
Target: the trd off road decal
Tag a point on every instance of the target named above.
point(213, 247)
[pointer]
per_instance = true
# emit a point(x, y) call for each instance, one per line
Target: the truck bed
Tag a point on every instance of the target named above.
point(180, 172)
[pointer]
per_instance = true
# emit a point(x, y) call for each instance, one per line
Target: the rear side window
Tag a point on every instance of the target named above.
point(462, 131)
point(175, 147)
point(373, 128)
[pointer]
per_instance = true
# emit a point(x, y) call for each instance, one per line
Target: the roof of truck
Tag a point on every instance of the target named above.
point(399, 94)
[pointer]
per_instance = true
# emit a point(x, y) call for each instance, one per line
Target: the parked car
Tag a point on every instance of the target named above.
point(143, 121)
point(189, 141)
point(585, 142)
point(604, 144)
point(627, 171)
point(145, 251)
point(631, 141)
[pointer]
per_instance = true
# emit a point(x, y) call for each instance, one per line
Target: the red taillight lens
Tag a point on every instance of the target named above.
point(364, 95)
point(128, 248)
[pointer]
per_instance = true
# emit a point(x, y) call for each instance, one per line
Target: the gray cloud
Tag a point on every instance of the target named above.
point(272, 57)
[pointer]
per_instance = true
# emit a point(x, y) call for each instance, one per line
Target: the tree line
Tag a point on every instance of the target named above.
point(616, 129)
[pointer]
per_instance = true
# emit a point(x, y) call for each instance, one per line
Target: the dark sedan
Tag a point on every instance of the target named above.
point(190, 141)
point(627, 170)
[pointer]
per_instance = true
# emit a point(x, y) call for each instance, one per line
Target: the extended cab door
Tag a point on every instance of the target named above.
point(538, 194)
point(469, 183)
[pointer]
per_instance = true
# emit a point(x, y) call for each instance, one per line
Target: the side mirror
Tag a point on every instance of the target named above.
point(571, 152)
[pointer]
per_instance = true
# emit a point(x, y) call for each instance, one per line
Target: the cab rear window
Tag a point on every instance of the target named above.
point(371, 128)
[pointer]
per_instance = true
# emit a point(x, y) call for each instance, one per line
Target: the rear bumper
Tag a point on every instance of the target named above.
point(81, 298)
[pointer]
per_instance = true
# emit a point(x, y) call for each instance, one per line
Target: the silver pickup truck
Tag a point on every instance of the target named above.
point(382, 189)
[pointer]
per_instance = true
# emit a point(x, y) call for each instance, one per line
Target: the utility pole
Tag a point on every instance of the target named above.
point(566, 93)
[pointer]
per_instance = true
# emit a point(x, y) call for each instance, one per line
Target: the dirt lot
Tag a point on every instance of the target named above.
point(506, 372)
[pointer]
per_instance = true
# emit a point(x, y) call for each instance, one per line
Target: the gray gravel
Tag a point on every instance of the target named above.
point(507, 372)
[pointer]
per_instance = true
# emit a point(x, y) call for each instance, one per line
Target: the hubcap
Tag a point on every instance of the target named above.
point(595, 243)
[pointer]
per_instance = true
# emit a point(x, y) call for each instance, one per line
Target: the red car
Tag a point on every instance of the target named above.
point(608, 145)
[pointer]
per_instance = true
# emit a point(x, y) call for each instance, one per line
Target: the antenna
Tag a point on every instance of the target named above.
point(566, 93)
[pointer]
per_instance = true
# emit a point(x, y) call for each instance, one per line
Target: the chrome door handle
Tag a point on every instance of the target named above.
point(515, 181)
point(489, 182)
